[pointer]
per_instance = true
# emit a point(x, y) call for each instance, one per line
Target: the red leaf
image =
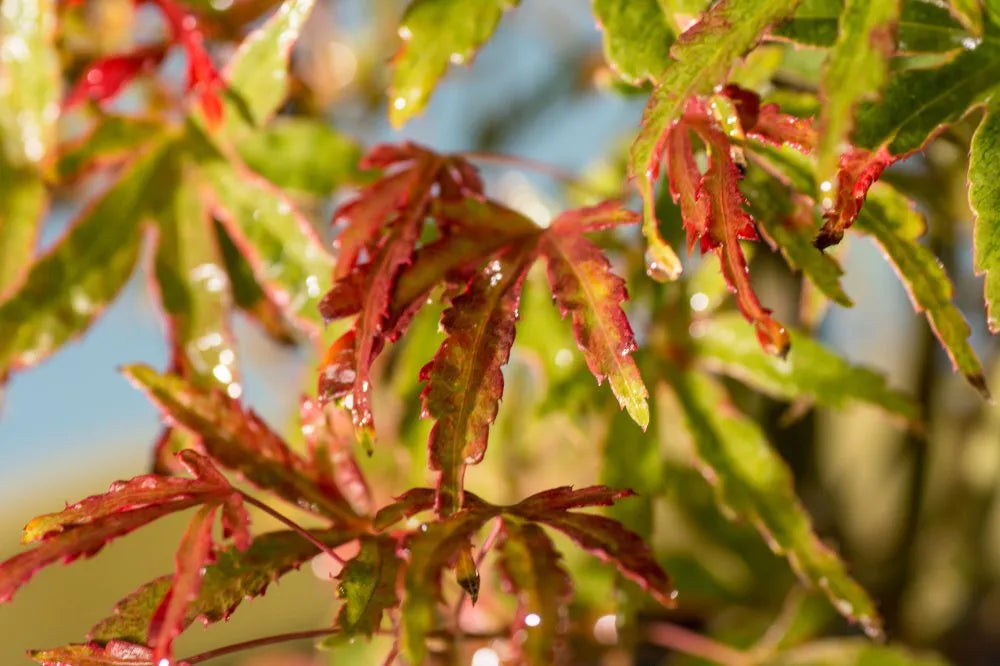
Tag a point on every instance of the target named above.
point(193, 553)
point(115, 653)
point(564, 498)
point(105, 78)
point(612, 542)
point(329, 435)
point(859, 169)
point(464, 380)
point(599, 217)
point(240, 440)
point(684, 179)
point(203, 78)
point(585, 288)
point(531, 568)
point(414, 501)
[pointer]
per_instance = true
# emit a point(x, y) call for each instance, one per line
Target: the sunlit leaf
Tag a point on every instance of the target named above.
point(585, 288)
point(637, 37)
point(811, 371)
point(113, 139)
point(856, 70)
point(984, 197)
point(22, 203)
point(368, 586)
point(753, 483)
point(435, 33)
point(240, 440)
point(234, 577)
point(67, 287)
point(532, 569)
point(464, 380)
point(115, 653)
point(893, 222)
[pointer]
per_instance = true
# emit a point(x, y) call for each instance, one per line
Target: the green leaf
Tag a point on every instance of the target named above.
point(856, 70)
point(434, 33)
point(753, 483)
point(286, 254)
point(891, 220)
point(368, 586)
point(984, 197)
point(790, 226)
point(585, 288)
point(917, 103)
point(68, 286)
point(852, 652)
point(465, 378)
point(702, 56)
point(302, 154)
point(29, 80)
point(22, 204)
point(240, 440)
point(531, 565)
point(192, 283)
point(637, 37)
point(235, 576)
point(113, 139)
point(810, 370)
point(257, 74)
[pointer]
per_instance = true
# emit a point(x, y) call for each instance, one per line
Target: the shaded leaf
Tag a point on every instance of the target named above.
point(984, 198)
point(753, 483)
point(435, 33)
point(242, 441)
point(856, 70)
point(115, 653)
point(368, 586)
point(637, 38)
point(896, 226)
point(68, 286)
point(234, 577)
point(701, 58)
point(532, 570)
point(584, 287)
point(193, 554)
point(464, 380)
point(810, 371)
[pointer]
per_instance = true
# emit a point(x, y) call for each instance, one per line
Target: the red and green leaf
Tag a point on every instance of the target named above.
point(104, 79)
point(464, 380)
point(585, 288)
point(115, 653)
point(368, 586)
point(329, 436)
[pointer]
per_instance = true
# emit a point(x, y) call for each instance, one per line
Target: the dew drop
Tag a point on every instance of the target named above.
point(399, 103)
point(699, 302)
point(532, 619)
point(606, 630)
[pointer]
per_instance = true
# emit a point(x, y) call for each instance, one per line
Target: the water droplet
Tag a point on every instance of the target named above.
point(227, 356)
point(223, 374)
point(95, 76)
point(189, 22)
point(606, 630)
point(212, 276)
point(234, 390)
point(699, 302)
point(563, 357)
point(312, 286)
point(532, 619)
point(399, 103)
point(485, 657)
point(971, 42)
point(457, 58)
point(658, 269)
point(404, 32)
point(825, 186)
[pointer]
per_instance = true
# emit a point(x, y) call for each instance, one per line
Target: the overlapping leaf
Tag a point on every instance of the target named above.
point(893, 222)
point(435, 33)
point(368, 586)
point(240, 440)
point(753, 483)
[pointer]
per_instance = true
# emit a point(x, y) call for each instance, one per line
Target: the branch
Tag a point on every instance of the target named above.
point(679, 639)
point(294, 526)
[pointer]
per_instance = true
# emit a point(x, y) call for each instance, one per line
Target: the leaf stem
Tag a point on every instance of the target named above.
point(258, 642)
point(249, 499)
point(679, 639)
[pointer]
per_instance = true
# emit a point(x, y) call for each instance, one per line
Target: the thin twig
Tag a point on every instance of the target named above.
point(779, 628)
point(293, 525)
point(688, 642)
point(258, 642)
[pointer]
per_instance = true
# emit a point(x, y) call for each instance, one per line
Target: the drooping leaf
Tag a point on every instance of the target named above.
point(637, 38)
point(29, 81)
point(242, 441)
point(115, 653)
point(897, 227)
point(753, 483)
point(531, 568)
point(701, 58)
point(430, 551)
point(585, 288)
point(113, 139)
point(435, 33)
point(329, 435)
point(286, 254)
point(68, 286)
point(856, 70)
point(984, 197)
point(368, 586)
point(105, 78)
point(192, 283)
point(257, 74)
point(464, 380)
point(810, 371)
point(234, 577)
point(193, 554)
point(315, 158)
